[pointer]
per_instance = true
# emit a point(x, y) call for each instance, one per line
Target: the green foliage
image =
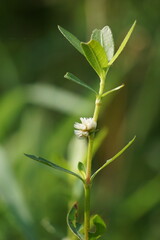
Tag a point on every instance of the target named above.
point(33, 120)
point(112, 90)
point(96, 56)
point(113, 158)
point(99, 51)
point(82, 169)
point(53, 165)
point(72, 222)
point(72, 39)
point(100, 227)
point(123, 44)
point(105, 38)
point(75, 79)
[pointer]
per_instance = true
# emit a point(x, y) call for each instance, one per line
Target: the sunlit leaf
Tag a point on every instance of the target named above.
point(73, 78)
point(113, 158)
point(105, 38)
point(100, 226)
point(123, 44)
point(96, 56)
point(53, 165)
point(72, 39)
point(72, 222)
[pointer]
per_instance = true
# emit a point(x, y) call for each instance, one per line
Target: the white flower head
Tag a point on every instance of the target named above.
point(86, 126)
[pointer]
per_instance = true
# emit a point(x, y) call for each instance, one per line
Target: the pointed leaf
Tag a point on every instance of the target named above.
point(113, 158)
point(72, 39)
point(100, 226)
point(123, 44)
point(53, 165)
point(112, 90)
point(96, 56)
point(72, 222)
point(73, 78)
point(105, 38)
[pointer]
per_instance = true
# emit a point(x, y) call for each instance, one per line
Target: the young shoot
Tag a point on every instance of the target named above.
point(100, 54)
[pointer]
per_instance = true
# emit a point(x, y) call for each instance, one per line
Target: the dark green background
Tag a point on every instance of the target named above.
point(38, 108)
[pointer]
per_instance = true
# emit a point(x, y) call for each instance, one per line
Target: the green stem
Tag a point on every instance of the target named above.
point(87, 185)
point(87, 188)
point(98, 100)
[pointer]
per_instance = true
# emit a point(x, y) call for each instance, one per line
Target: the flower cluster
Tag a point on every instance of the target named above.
point(84, 128)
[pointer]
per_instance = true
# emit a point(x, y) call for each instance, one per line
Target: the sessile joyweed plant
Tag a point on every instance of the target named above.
point(99, 52)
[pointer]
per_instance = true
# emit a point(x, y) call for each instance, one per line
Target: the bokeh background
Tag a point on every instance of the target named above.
point(38, 108)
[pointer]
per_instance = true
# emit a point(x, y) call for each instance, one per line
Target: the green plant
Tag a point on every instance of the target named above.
point(99, 52)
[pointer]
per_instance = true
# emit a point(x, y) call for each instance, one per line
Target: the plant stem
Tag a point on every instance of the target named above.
point(87, 185)
point(87, 188)
point(99, 97)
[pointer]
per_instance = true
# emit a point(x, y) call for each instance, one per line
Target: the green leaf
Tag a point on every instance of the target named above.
point(72, 39)
point(100, 226)
point(53, 165)
point(96, 56)
point(73, 78)
point(113, 158)
point(123, 44)
point(105, 38)
point(82, 169)
point(112, 90)
point(72, 222)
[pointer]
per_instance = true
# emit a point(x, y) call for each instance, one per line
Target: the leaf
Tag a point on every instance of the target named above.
point(123, 44)
point(72, 222)
point(96, 56)
point(73, 78)
point(72, 39)
point(82, 169)
point(112, 90)
point(100, 226)
point(105, 38)
point(113, 158)
point(53, 165)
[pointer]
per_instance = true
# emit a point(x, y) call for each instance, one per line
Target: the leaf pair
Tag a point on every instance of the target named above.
point(81, 167)
point(96, 222)
point(99, 51)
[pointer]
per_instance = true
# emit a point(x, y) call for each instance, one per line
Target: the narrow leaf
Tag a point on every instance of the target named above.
point(113, 90)
point(123, 44)
point(72, 39)
point(100, 226)
point(105, 38)
point(75, 79)
point(113, 158)
point(72, 222)
point(53, 165)
point(96, 56)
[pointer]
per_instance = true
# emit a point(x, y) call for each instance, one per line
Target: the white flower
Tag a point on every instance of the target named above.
point(86, 126)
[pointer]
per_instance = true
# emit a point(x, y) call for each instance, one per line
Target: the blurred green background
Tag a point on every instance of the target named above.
point(38, 108)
